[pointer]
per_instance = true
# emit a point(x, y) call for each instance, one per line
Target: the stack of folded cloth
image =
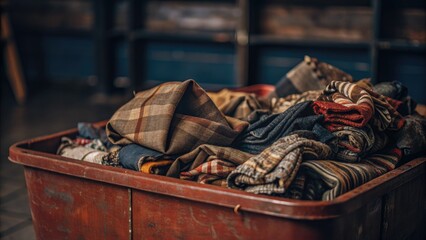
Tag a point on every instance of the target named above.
point(318, 135)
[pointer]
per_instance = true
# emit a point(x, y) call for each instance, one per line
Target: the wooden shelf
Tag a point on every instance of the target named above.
point(259, 40)
point(225, 38)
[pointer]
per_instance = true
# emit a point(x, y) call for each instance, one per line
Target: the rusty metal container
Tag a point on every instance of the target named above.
point(71, 199)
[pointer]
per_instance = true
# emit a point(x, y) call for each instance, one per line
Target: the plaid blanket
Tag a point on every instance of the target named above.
point(172, 118)
point(326, 180)
point(273, 170)
point(202, 154)
point(347, 104)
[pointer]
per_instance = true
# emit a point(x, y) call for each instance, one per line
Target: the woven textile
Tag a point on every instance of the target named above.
point(326, 180)
point(310, 74)
point(273, 170)
point(71, 149)
point(158, 167)
point(347, 104)
point(212, 172)
point(355, 143)
point(132, 156)
point(280, 105)
point(412, 137)
point(172, 118)
point(206, 153)
point(398, 91)
point(270, 128)
point(235, 104)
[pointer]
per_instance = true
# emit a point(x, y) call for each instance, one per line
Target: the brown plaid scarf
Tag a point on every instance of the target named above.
point(347, 104)
point(172, 118)
point(235, 104)
point(326, 180)
point(273, 170)
point(203, 154)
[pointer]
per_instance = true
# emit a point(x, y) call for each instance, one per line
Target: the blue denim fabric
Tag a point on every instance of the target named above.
point(130, 156)
point(268, 129)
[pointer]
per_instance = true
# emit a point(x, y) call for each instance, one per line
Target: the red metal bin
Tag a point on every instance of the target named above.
point(71, 199)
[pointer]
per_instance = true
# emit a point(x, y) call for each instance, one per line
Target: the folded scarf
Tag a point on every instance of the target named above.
point(158, 167)
point(347, 104)
point(355, 143)
point(235, 104)
point(206, 153)
point(72, 149)
point(326, 180)
point(411, 138)
point(310, 74)
point(172, 118)
point(270, 128)
point(272, 171)
point(396, 90)
point(133, 156)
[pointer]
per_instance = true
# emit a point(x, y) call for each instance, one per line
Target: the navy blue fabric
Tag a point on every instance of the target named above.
point(268, 129)
point(130, 155)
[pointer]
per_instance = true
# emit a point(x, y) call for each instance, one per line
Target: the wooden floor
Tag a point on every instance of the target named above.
point(51, 110)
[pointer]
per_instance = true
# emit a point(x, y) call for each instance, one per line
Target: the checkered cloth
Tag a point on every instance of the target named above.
point(206, 153)
point(213, 172)
point(236, 104)
point(273, 170)
point(172, 118)
point(347, 104)
point(326, 180)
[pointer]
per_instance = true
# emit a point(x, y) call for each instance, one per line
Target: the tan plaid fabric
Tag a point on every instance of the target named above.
point(206, 153)
point(273, 170)
point(172, 118)
point(235, 104)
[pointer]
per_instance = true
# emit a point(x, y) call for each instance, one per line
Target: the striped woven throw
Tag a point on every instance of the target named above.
point(326, 180)
point(172, 118)
point(273, 170)
point(347, 104)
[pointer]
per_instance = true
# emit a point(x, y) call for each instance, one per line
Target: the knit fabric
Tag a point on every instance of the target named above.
point(326, 180)
point(346, 104)
point(272, 171)
point(396, 90)
point(235, 104)
point(270, 128)
point(310, 74)
point(206, 153)
point(172, 118)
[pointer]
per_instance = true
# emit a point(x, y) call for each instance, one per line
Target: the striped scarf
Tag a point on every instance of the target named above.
point(347, 104)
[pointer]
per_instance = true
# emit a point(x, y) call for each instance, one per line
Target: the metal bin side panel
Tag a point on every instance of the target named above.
point(67, 207)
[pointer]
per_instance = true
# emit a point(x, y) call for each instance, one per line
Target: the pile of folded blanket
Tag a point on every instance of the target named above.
point(318, 135)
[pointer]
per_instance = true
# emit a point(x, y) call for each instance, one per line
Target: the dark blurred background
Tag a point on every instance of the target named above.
point(66, 61)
